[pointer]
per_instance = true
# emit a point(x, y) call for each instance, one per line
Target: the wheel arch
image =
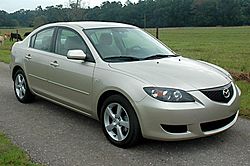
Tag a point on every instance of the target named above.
point(14, 70)
point(108, 93)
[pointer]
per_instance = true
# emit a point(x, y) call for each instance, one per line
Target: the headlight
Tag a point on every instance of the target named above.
point(168, 94)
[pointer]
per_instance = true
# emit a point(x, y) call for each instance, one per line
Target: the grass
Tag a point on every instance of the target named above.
point(12, 155)
point(228, 47)
point(5, 48)
point(5, 51)
point(245, 98)
point(5, 56)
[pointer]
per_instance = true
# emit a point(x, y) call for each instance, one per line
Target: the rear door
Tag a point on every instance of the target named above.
point(37, 60)
point(70, 81)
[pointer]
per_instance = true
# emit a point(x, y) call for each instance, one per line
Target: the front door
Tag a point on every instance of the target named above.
point(70, 81)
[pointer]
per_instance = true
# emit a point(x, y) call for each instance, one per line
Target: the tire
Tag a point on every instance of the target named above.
point(119, 122)
point(21, 88)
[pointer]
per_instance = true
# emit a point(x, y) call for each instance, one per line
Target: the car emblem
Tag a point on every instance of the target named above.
point(226, 93)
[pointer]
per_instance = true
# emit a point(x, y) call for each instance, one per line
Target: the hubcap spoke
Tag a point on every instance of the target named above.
point(18, 92)
point(19, 79)
point(110, 113)
point(23, 90)
point(17, 84)
point(110, 127)
point(119, 111)
point(124, 124)
point(120, 135)
point(22, 82)
point(21, 93)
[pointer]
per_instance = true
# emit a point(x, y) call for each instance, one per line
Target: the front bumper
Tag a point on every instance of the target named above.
point(191, 120)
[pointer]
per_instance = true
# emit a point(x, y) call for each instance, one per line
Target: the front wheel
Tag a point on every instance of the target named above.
point(21, 88)
point(119, 122)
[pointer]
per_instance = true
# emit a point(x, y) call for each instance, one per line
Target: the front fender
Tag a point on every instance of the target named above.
point(111, 80)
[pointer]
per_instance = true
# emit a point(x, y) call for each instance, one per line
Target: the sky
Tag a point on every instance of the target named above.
point(14, 5)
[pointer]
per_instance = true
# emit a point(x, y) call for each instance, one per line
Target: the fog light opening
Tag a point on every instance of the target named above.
point(174, 128)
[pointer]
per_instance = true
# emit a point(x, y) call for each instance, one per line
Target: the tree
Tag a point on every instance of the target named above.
point(204, 13)
point(144, 13)
point(76, 12)
point(229, 12)
point(39, 21)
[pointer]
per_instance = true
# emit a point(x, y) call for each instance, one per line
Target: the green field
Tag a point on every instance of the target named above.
point(5, 48)
point(228, 47)
point(12, 155)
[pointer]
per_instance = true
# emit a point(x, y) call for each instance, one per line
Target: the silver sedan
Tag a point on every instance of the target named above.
point(135, 85)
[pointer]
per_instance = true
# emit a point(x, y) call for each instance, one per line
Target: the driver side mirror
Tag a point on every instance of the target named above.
point(76, 55)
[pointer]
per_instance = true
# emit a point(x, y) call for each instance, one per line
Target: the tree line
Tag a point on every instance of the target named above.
point(145, 13)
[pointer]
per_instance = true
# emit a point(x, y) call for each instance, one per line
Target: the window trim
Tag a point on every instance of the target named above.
point(31, 45)
point(91, 58)
point(35, 35)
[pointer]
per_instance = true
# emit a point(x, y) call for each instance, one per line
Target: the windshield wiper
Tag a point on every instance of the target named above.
point(158, 56)
point(121, 58)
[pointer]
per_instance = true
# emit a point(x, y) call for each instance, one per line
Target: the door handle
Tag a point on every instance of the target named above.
point(28, 56)
point(54, 63)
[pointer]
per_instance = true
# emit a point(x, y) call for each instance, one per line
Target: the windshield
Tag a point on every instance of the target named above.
point(126, 44)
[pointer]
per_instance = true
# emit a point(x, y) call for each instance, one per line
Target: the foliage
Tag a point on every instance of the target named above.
point(227, 47)
point(245, 98)
point(145, 13)
point(5, 48)
point(12, 155)
point(39, 21)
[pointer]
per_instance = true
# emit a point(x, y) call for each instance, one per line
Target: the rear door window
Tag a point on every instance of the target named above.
point(43, 40)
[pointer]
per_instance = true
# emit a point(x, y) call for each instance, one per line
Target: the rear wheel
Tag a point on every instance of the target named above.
point(21, 87)
point(119, 122)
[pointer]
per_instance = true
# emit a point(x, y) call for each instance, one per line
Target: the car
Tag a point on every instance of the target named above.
point(125, 78)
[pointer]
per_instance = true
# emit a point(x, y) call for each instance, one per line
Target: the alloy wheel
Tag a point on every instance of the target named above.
point(116, 121)
point(20, 86)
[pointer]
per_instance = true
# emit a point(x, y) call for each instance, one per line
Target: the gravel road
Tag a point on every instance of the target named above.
point(53, 135)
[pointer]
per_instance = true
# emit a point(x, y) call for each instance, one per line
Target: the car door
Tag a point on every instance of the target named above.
point(70, 81)
point(37, 60)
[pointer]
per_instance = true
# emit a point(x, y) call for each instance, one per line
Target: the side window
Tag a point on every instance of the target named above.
point(104, 37)
point(105, 42)
point(69, 40)
point(43, 40)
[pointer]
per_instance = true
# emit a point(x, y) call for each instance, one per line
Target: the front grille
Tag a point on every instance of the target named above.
point(209, 126)
point(174, 128)
point(220, 94)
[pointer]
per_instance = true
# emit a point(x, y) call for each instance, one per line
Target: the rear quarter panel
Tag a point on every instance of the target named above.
point(18, 52)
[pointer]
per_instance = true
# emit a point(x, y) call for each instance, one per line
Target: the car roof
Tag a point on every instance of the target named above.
point(92, 24)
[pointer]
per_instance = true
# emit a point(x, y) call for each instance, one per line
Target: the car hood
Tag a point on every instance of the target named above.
point(175, 72)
